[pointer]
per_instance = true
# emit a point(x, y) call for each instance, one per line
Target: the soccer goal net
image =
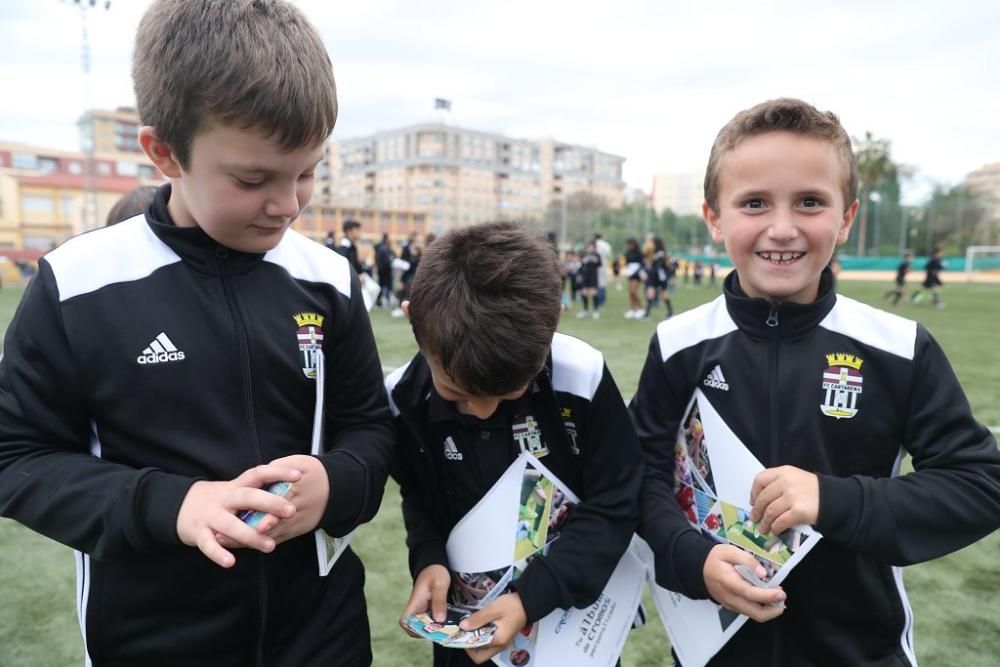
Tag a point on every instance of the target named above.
point(981, 258)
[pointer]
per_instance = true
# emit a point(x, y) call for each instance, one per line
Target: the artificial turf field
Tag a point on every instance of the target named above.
point(956, 599)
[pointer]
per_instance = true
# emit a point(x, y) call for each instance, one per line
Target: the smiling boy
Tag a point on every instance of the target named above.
point(780, 192)
point(161, 372)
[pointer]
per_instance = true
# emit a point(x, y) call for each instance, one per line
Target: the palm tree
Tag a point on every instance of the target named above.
point(875, 166)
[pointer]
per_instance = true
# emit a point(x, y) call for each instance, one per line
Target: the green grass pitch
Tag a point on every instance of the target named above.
point(954, 598)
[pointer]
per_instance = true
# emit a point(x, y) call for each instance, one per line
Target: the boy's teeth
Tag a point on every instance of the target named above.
point(780, 256)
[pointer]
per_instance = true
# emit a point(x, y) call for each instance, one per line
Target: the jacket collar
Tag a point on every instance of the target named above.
point(791, 319)
point(192, 244)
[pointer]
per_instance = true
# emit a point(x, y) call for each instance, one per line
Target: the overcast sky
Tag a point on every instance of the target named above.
point(652, 81)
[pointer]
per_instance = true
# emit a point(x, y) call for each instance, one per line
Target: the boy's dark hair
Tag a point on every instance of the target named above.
point(787, 115)
point(485, 304)
point(131, 204)
point(251, 63)
point(350, 224)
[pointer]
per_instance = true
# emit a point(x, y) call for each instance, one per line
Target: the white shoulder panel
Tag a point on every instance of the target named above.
point(117, 254)
point(305, 259)
point(871, 326)
point(577, 368)
point(691, 327)
point(390, 384)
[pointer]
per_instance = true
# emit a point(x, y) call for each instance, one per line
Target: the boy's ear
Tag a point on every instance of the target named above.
point(712, 222)
point(406, 309)
point(848, 221)
point(159, 152)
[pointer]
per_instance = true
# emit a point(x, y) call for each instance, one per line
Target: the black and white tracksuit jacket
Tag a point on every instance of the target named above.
point(144, 357)
point(763, 368)
point(587, 441)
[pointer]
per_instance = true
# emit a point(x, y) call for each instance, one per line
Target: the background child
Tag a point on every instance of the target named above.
point(932, 280)
point(159, 373)
point(484, 309)
point(780, 192)
point(897, 292)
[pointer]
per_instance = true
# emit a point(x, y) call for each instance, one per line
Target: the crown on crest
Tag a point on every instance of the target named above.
point(842, 359)
point(305, 319)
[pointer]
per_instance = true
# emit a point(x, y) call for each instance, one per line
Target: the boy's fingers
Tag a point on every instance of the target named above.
point(237, 530)
point(761, 480)
point(209, 546)
point(262, 501)
point(783, 522)
point(266, 474)
point(439, 600)
point(776, 508)
point(479, 619)
point(765, 497)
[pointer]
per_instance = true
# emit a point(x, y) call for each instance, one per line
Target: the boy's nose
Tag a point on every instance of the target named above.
point(782, 226)
point(283, 203)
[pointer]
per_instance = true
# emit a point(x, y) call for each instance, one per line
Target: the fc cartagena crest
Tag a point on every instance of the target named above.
point(529, 438)
point(842, 383)
point(310, 335)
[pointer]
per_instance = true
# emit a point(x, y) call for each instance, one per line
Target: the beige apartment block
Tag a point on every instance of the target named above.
point(682, 193)
point(459, 176)
point(985, 182)
point(111, 131)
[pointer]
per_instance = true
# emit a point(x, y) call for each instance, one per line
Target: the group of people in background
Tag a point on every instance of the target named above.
point(651, 273)
point(932, 280)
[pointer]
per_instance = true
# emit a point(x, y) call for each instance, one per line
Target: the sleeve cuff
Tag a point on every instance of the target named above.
point(539, 591)
point(841, 504)
point(428, 553)
point(158, 500)
point(348, 488)
point(682, 567)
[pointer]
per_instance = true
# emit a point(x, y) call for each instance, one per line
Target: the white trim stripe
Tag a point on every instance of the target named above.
point(390, 384)
point(121, 253)
point(156, 347)
point(906, 639)
point(705, 322)
point(82, 598)
point(577, 368)
point(305, 259)
point(871, 326)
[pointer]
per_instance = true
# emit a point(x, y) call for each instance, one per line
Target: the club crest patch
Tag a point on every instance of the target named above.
point(842, 384)
point(528, 437)
point(310, 337)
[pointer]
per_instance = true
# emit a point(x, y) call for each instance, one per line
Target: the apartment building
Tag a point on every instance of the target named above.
point(459, 176)
point(49, 195)
point(985, 182)
point(111, 131)
point(681, 192)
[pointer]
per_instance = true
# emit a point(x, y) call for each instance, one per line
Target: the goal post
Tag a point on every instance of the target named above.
point(980, 251)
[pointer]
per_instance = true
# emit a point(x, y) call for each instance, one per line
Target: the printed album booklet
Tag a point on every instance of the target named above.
point(713, 477)
point(519, 519)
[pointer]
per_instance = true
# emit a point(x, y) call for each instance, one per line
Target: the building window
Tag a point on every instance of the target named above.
point(104, 168)
point(74, 167)
point(47, 165)
point(146, 171)
point(24, 161)
point(67, 207)
point(37, 204)
point(127, 168)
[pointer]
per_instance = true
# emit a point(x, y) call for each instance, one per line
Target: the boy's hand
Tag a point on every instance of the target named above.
point(784, 497)
point(208, 512)
point(507, 613)
point(309, 495)
point(732, 591)
point(430, 592)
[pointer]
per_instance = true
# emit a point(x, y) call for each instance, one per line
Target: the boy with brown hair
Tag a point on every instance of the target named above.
point(160, 373)
point(492, 379)
point(828, 394)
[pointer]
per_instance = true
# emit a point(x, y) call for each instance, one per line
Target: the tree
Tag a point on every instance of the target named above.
point(875, 169)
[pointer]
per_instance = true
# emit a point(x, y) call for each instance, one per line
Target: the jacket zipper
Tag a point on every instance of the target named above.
point(222, 255)
point(774, 343)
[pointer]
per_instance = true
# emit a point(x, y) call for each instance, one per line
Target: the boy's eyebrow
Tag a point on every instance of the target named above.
point(255, 169)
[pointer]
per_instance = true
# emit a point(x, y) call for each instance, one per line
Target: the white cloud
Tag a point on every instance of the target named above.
point(652, 81)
